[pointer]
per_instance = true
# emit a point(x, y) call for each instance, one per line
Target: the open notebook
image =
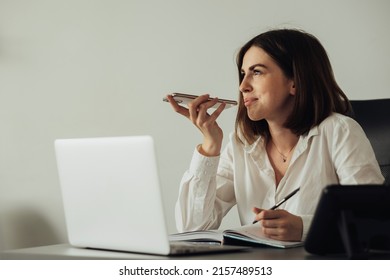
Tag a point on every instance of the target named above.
point(249, 235)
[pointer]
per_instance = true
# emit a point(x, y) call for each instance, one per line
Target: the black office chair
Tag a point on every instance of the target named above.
point(374, 117)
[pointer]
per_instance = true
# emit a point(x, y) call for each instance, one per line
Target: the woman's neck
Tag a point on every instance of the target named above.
point(283, 138)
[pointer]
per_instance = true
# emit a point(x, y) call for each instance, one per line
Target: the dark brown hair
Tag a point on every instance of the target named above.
point(302, 58)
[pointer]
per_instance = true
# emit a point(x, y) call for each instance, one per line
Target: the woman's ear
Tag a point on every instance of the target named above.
point(292, 88)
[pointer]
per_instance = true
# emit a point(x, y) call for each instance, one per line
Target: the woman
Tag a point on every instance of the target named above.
point(292, 130)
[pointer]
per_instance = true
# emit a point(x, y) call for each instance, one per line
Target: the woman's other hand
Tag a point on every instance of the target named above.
point(279, 224)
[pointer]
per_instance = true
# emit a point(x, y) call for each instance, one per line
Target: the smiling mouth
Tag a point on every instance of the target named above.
point(249, 101)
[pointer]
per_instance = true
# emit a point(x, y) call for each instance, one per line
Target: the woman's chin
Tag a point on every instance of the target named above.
point(254, 117)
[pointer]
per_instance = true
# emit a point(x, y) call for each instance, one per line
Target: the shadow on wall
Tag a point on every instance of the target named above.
point(25, 227)
point(1, 238)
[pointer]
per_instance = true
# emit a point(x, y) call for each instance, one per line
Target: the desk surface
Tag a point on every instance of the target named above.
point(67, 252)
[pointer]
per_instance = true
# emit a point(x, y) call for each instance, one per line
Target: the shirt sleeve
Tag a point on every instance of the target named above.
point(206, 193)
point(353, 156)
point(306, 220)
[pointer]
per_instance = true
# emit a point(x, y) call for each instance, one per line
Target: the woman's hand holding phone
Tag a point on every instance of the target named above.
point(205, 122)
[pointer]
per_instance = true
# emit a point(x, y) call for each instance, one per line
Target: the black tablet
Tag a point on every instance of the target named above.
point(351, 219)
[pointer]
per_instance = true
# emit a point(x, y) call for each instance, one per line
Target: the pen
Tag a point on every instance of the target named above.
point(282, 201)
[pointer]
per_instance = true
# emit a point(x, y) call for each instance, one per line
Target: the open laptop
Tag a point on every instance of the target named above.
point(112, 197)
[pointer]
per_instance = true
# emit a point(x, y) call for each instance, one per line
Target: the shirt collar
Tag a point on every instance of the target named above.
point(302, 142)
point(250, 148)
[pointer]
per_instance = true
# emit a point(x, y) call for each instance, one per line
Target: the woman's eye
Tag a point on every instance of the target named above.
point(257, 72)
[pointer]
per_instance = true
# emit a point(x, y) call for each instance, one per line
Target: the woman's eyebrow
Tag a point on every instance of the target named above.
point(254, 66)
point(258, 65)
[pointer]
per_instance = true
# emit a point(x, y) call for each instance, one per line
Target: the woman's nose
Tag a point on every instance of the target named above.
point(245, 86)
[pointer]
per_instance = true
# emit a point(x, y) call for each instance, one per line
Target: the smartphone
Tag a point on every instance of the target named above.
point(184, 99)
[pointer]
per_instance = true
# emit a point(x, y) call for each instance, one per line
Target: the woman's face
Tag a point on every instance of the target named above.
point(267, 93)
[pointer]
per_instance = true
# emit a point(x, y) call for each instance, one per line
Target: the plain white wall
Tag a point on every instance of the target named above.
point(81, 68)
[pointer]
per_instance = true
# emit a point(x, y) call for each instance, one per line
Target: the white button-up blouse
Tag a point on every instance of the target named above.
point(335, 152)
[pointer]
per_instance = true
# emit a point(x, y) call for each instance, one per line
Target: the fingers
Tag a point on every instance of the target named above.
point(218, 111)
point(205, 122)
point(256, 210)
point(198, 112)
point(268, 217)
point(177, 108)
point(272, 214)
point(269, 220)
point(197, 109)
point(281, 225)
point(278, 230)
